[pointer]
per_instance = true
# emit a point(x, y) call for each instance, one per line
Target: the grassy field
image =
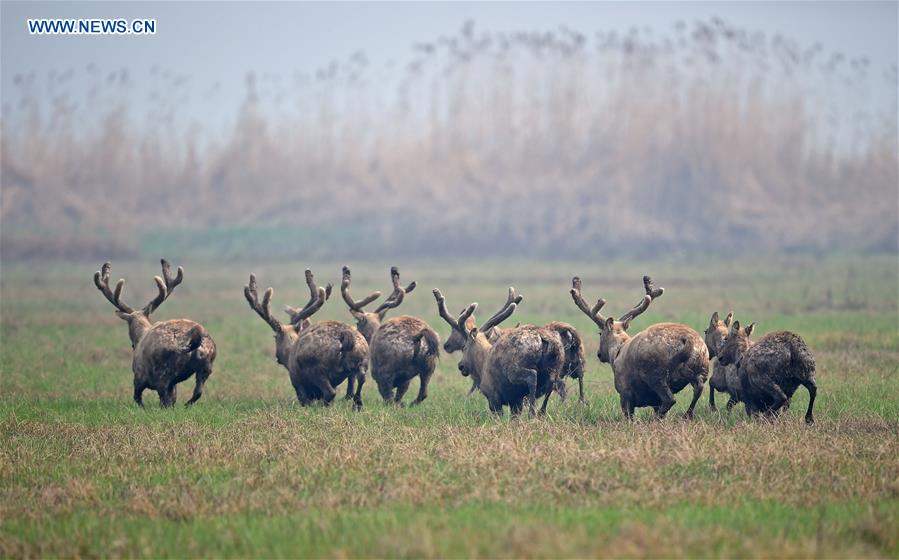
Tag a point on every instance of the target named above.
point(247, 472)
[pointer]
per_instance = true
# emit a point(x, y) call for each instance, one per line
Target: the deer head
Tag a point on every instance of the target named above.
point(139, 320)
point(368, 322)
point(716, 331)
point(735, 344)
point(613, 334)
point(286, 335)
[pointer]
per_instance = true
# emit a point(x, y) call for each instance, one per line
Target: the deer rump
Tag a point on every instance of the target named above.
point(516, 354)
point(327, 349)
point(403, 348)
point(779, 357)
point(665, 352)
point(171, 352)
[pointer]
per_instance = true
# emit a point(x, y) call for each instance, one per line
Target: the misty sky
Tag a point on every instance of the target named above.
point(219, 42)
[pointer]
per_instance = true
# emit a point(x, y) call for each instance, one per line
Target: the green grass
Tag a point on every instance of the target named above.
point(247, 472)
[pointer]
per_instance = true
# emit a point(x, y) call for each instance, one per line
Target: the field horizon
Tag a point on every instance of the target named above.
point(248, 472)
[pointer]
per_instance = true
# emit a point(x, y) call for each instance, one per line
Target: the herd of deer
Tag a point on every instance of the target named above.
point(510, 366)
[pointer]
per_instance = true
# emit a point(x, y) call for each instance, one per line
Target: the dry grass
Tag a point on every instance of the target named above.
point(247, 472)
point(539, 139)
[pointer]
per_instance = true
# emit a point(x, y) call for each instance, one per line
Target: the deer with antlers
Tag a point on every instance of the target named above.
point(654, 364)
point(456, 340)
point(573, 364)
point(769, 370)
point(402, 348)
point(318, 356)
point(165, 353)
point(724, 377)
point(525, 362)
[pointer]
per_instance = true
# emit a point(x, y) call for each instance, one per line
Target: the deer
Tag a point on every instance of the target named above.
point(401, 348)
point(164, 353)
point(652, 365)
point(457, 338)
point(574, 362)
point(525, 362)
point(724, 378)
point(770, 370)
point(317, 356)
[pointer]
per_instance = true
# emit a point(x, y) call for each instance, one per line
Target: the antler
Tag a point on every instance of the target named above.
point(457, 324)
point(345, 292)
point(505, 311)
point(398, 294)
point(593, 312)
point(166, 285)
point(651, 295)
point(654, 293)
point(101, 280)
point(263, 309)
point(317, 297)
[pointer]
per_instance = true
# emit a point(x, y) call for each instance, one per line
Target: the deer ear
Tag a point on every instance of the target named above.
point(735, 327)
point(473, 333)
point(748, 329)
point(728, 319)
point(123, 316)
point(714, 320)
point(610, 322)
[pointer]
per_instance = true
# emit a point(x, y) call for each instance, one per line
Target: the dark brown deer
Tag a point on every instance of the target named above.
point(402, 348)
point(318, 356)
point(770, 370)
point(653, 365)
point(165, 353)
point(724, 377)
point(524, 364)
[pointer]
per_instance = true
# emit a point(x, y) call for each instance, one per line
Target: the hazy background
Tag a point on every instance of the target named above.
point(312, 130)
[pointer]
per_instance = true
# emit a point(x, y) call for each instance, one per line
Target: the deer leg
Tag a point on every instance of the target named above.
point(302, 395)
point(712, 398)
point(529, 377)
point(775, 393)
point(350, 388)
point(167, 396)
point(731, 402)
point(401, 392)
point(697, 392)
point(627, 408)
point(666, 398)
point(474, 387)
point(202, 376)
point(812, 389)
point(357, 396)
point(496, 407)
point(516, 407)
point(424, 379)
point(580, 388)
point(386, 392)
point(328, 390)
point(545, 402)
point(139, 394)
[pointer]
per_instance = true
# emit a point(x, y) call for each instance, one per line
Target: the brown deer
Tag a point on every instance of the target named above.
point(401, 348)
point(456, 339)
point(724, 378)
point(770, 370)
point(318, 356)
point(165, 353)
point(654, 364)
point(525, 362)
